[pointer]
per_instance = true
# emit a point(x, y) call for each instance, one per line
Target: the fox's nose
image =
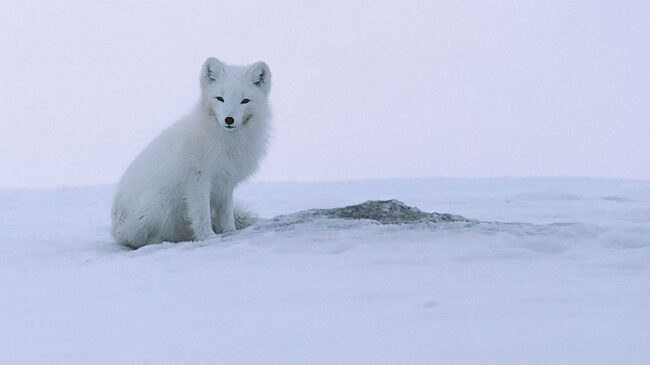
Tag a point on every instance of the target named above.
point(229, 120)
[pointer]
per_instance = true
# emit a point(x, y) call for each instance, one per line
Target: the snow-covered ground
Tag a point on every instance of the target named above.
point(569, 283)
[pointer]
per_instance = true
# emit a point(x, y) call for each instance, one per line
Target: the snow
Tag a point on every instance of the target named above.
point(552, 271)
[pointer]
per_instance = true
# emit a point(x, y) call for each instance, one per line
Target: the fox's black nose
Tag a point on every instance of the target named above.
point(229, 120)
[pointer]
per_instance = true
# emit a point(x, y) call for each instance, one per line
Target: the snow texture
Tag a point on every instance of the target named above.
point(546, 271)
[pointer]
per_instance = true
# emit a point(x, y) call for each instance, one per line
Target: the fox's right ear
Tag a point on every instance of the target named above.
point(211, 71)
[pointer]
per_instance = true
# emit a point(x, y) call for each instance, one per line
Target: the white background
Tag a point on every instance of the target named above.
point(361, 89)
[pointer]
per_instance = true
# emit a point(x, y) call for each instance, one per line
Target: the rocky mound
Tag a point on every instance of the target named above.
point(372, 212)
point(386, 212)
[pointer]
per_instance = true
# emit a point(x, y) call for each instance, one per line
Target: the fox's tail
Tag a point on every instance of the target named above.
point(244, 217)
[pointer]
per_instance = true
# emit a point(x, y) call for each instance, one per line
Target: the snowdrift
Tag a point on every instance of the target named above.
point(544, 271)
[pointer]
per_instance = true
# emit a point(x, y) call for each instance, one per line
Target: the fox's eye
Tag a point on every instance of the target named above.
point(219, 98)
point(245, 101)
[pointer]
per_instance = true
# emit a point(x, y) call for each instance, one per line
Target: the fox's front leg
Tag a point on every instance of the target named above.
point(224, 216)
point(197, 200)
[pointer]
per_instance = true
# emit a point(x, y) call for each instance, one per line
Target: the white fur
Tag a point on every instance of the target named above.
point(180, 187)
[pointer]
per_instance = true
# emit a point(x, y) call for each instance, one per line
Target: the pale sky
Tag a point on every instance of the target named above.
point(360, 89)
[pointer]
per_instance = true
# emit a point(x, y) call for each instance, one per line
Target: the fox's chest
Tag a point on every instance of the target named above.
point(232, 164)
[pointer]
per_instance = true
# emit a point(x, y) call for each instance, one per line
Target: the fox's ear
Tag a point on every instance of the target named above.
point(212, 69)
point(260, 75)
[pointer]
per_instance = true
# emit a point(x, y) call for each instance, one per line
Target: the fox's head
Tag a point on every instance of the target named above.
point(235, 95)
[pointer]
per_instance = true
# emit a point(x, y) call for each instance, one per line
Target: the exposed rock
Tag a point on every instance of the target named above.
point(372, 212)
point(389, 216)
point(387, 212)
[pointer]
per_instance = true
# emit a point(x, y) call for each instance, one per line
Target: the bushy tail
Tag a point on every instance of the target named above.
point(244, 217)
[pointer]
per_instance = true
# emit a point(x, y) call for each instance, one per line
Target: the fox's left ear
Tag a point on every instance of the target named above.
point(212, 69)
point(260, 75)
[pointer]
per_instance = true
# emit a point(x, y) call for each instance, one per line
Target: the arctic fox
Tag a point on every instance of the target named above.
point(180, 188)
